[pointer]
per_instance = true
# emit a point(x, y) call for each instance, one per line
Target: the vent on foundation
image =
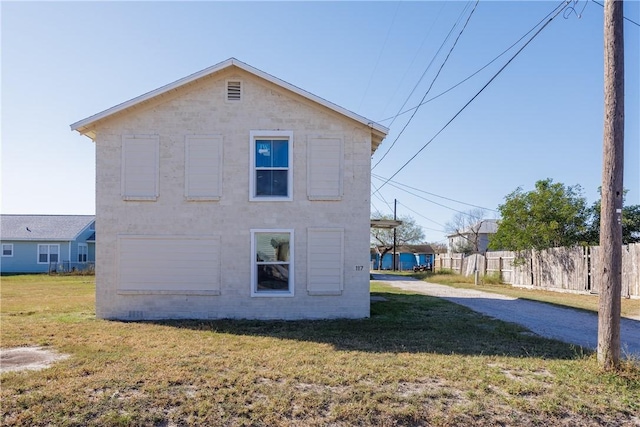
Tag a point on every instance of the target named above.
point(136, 314)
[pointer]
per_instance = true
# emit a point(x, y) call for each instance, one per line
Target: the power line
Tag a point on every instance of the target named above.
point(471, 75)
point(633, 22)
point(413, 60)
point(424, 198)
point(433, 194)
point(375, 67)
point(376, 208)
point(380, 197)
point(431, 85)
point(424, 73)
point(419, 214)
point(464, 107)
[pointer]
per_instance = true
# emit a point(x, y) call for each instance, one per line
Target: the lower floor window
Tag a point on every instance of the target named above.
point(83, 252)
point(7, 249)
point(48, 253)
point(272, 269)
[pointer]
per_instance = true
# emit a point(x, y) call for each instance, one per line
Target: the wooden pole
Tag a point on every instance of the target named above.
point(612, 188)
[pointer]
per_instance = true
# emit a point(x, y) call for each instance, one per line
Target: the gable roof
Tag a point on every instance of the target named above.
point(43, 227)
point(85, 126)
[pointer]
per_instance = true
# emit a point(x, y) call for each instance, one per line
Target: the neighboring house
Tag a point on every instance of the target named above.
point(232, 194)
point(43, 243)
point(475, 238)
point(408, 256)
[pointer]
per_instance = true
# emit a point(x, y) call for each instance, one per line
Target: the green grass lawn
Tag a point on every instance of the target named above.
point(629, 307)
point(417, 361)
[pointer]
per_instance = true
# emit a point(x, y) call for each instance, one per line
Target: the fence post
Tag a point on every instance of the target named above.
point(486, 264)
point(500, 269)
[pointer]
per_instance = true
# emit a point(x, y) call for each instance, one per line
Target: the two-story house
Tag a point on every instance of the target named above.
point(232, 194)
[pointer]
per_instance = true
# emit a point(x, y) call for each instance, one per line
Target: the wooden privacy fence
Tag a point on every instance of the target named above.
point(573, 269)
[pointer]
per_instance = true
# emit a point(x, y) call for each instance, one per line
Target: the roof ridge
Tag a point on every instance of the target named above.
point(85, 125)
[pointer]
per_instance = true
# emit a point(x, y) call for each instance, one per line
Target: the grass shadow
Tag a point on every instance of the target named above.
point(403, 323)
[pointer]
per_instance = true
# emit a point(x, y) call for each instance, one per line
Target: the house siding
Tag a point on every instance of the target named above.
point(200, 109)
point(25, 257)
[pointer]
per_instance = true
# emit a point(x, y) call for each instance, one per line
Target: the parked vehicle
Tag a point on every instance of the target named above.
point(423, 267)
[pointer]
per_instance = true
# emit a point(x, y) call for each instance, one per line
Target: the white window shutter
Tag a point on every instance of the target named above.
point(140, 167)
point(325, 261)
point(203, 167)
point(169, 264)
point(325, 168)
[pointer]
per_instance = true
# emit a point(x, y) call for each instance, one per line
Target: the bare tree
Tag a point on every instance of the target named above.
point(437, 247)
point(466, 226)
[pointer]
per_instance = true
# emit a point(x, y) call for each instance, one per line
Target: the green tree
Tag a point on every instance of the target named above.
point(551, 215)
point(630, 224)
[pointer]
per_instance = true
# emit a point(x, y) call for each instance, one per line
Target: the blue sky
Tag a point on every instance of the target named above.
point(540, 118)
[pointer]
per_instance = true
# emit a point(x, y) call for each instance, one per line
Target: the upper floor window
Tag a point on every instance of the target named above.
point(271, 165)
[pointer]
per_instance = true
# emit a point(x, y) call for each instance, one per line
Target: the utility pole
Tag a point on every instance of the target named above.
point(395, 206)
point(612, 188)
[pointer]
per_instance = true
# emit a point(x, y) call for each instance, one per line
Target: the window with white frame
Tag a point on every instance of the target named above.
point(272, 262)
point(271, 165)
point(48, 253)
point(83, 252)
point(7, 249)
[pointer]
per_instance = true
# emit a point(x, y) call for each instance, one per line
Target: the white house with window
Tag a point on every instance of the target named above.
point(232, 194)
point(474, 238)
point(44, 243)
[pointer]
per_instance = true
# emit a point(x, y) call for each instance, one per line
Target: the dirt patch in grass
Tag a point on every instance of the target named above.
point(27, 358)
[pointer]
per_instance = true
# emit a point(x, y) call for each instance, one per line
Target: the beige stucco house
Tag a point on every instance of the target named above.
point(232, 194)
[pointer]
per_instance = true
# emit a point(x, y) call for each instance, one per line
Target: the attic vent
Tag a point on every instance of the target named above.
point(234, 90)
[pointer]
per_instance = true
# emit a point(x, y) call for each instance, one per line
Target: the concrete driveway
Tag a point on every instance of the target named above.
point(564, 324)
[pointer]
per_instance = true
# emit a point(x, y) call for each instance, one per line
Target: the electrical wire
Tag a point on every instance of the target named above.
point(424, 198)
point(420, 215)
point(471, 75)
point(381, 178)
point(376, 209)
point(633, 22)
point(431, 85)
point(380, 197)
point(424, 73)
point(464, 107)
point(413, 60)
point(375, 67)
